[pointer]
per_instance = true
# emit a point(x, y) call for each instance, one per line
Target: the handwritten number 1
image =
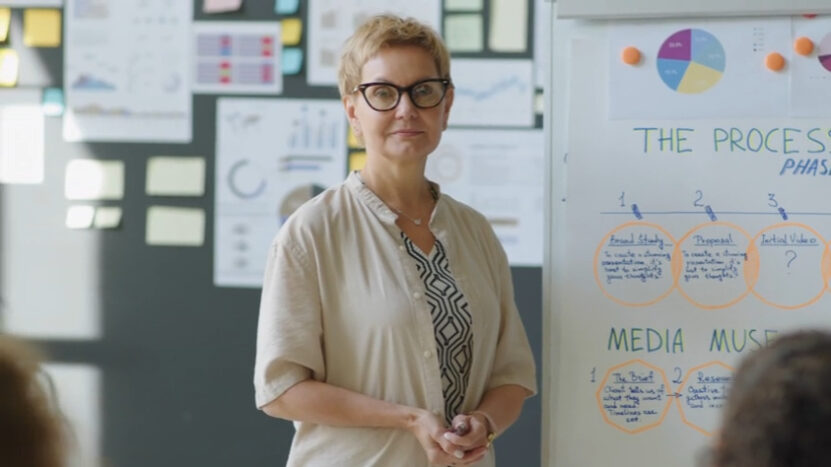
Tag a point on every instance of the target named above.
point(621, 198)
point(594, 369)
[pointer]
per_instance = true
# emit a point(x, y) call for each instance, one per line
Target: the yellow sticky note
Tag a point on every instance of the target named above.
point(292, 31)
point(357, 161)
point(9, 64)
point(5, 19)
point(352, 140)
point(42, 27)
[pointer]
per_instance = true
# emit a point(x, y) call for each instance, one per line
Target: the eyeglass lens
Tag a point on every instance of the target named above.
point(386, 96)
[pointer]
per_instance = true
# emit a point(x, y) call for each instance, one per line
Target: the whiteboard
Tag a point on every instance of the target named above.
point(679, 8)
point(678, 244)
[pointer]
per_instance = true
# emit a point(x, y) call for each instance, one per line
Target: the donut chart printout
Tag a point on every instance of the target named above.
point(686, 244)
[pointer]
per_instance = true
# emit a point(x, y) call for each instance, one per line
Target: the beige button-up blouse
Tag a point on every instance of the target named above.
point(342, 303)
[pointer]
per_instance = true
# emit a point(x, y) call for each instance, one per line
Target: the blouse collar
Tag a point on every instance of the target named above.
point(368, 197)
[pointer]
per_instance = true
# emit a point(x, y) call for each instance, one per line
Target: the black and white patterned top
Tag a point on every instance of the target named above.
point(452, 323)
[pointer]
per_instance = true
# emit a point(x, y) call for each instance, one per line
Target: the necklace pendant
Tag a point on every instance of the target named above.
point(417, 221)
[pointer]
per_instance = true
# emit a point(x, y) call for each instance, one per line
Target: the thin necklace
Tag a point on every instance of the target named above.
point(414, 220)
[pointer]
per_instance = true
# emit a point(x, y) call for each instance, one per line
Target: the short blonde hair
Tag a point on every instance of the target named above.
point(382, 31)
point(31, 433)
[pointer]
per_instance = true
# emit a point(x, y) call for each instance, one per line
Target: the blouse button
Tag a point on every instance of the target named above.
point(427, 354)
point(401, 247)
point(416, 295)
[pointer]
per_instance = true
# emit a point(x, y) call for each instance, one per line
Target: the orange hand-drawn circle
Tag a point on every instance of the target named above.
point(673, 268)
point(680, 389)
point(599, 400)
point(750, 269)
point(824, 268)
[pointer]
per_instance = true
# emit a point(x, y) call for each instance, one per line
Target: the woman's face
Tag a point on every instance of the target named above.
point(406, 133)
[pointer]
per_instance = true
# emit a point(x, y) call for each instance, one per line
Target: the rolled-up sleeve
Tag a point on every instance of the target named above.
point(289, 330)
point(513, 360)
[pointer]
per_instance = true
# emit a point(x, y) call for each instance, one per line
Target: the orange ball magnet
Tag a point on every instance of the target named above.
point(803, 46)
point(631, 55)
point(774, 61)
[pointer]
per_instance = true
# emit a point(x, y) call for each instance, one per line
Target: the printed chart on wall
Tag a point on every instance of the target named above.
point(271, 156)
point(500, 174)
point(698, 69)
point(335, 20)
point(691, 240)
point(116, 92)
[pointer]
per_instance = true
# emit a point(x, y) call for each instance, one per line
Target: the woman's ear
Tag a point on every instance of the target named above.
point(351, 115)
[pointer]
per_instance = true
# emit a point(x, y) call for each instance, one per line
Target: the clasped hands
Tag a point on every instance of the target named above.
point(465, 442)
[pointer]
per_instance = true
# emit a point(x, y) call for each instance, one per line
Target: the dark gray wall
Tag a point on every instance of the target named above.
point(176, 352)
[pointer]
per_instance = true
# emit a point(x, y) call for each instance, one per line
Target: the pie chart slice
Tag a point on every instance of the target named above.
point(691, 61)
point(824, 53)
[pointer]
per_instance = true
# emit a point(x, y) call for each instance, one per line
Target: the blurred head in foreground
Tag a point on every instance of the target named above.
point(778, 410)
point(31, 433)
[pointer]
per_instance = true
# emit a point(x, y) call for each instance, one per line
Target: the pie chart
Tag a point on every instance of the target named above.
point(825, 52)
point(691, 61)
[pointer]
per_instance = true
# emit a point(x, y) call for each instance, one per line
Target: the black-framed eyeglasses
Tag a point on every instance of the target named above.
point(424, 94)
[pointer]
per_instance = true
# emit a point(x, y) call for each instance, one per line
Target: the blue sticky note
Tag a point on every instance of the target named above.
point(292, 60)
point(286, 7)
point(53, 102)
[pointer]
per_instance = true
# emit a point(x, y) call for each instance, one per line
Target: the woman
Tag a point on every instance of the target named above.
point(778, 410)
point(387, 327)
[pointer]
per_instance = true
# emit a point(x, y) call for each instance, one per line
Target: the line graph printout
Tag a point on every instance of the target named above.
point(272, 155)
point(237, 57)
point(492, 92)
point(684, 248)
point(335, 20)
point(697, 69)
point(811, 75)
point(116, 91)
point(500, 174)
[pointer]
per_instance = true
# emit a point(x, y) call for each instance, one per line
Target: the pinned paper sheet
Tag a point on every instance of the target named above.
point(463, 5)
point(80, 217)
point(9, 65)
point(286, 7)
point(509, 26)
point(292, 60)
point(42, 27)
point(357, 161)
point(94, 179)
point(5, 20)
point(107, 217)
point(175, 176)
point(21, 136)
point(292, 30)
point(91, 217)
point(175, 226)
point(220, 6)
point(463, 33)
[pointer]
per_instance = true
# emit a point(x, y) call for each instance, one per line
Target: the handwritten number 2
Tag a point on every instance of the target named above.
point(677, 379)
point(699, 196)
